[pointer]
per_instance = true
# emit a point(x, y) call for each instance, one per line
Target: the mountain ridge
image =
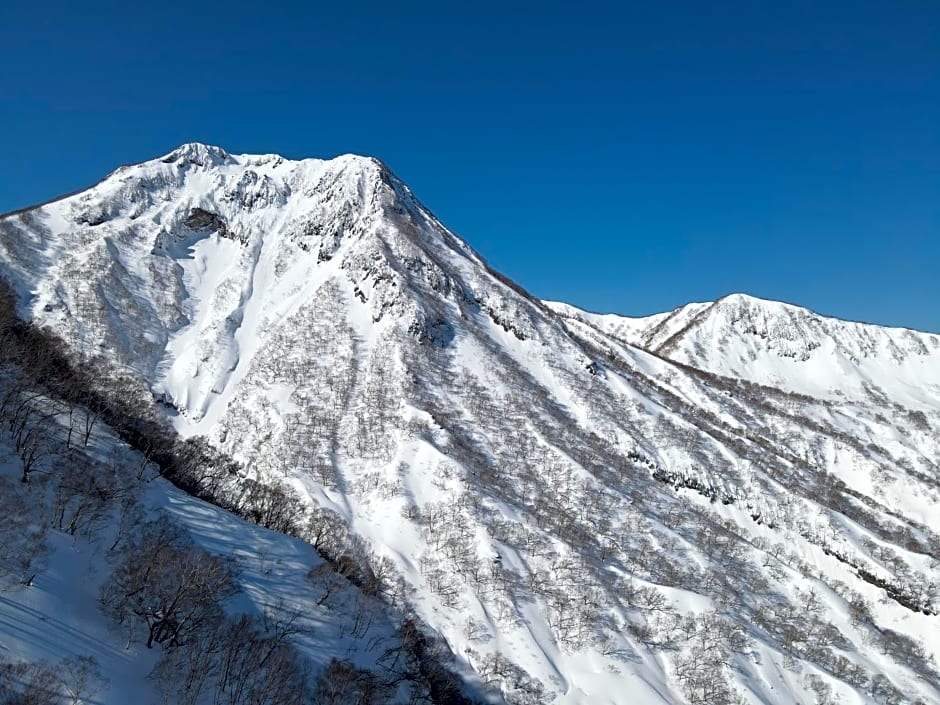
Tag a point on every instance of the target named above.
point(562, 305)
point(756, 339)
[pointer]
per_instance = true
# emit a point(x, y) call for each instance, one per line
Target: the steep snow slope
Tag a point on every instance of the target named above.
point(59, 618)
point(582, 520)
point(786, 346)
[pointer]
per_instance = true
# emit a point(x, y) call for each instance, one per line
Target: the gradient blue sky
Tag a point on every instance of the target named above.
point(625, 157)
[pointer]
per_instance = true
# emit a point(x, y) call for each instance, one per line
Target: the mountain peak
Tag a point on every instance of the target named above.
point(755, 305)
point(786, 346)
point(198, 153)
point(212, 155)
point(739, 298)
point(235, 236)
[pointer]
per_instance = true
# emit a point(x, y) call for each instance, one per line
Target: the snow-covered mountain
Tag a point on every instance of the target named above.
point(785, 346)
point(736, 500)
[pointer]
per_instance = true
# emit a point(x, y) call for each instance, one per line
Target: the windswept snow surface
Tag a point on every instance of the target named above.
point(589, 509)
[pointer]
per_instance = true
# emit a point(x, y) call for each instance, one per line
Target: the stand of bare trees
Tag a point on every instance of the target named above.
point(72, 681)
point(173, 591)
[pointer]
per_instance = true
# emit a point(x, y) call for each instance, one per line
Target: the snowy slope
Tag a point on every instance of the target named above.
point(788, 347)
point(642, 331)
point(583, 520)
point(58, 618)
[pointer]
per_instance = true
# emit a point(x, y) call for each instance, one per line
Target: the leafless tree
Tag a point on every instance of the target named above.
point(24, 683)
point(168, 583)
point(22, 533)
point(82, 679)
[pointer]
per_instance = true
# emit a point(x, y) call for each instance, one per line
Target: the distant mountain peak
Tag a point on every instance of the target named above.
point(784, 345)
point(740, 298)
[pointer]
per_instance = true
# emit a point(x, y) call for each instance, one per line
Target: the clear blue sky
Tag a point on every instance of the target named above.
point(622, 156)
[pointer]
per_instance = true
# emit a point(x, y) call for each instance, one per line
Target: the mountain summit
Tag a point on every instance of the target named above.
point(785, 346)
point(733, 502)
point(181, 264)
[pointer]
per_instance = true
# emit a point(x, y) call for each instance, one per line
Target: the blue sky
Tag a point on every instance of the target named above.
point(624, 157)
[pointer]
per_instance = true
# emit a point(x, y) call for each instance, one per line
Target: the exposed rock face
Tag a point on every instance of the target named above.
point(200, 219)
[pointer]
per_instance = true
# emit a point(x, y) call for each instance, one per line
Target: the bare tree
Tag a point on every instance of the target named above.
point(23, 683)
point(273, 506)
point(22, 533)
point(82, 679)
point(168, 583)
point(341, 683)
